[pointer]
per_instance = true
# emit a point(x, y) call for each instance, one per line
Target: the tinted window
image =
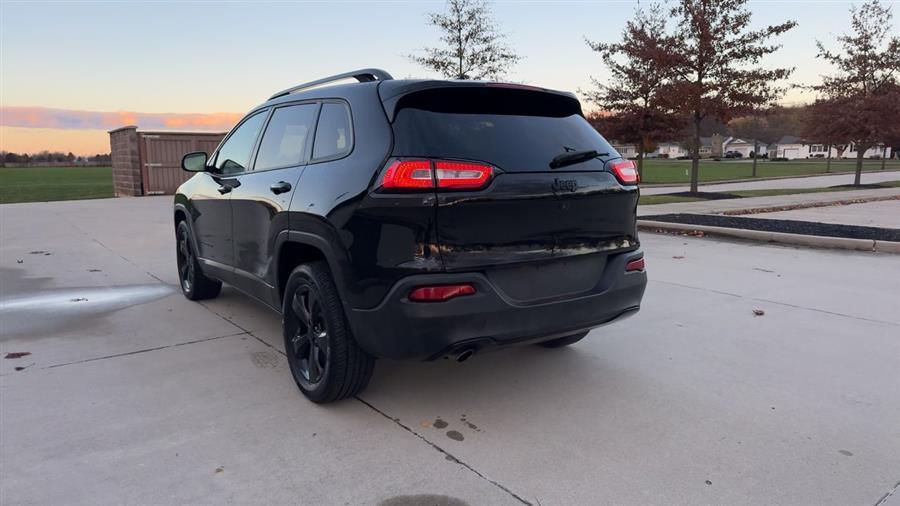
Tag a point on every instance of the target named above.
point(284, 142)
point(514, 130)
point(234, 155)
point(333, 135)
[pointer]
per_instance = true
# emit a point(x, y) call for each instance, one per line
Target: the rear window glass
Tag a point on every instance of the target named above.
point(333, 135)
point(522, 134)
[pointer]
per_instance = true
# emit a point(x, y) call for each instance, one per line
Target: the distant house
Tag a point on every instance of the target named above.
point(743, 146)
point(626, 150)
point(794, 148)
point(790, 147)
point(669, 150)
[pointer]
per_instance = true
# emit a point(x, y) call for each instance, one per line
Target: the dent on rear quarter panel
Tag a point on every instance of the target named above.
point(374, 241)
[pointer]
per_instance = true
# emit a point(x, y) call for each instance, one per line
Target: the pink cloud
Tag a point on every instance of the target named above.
point(42, 117)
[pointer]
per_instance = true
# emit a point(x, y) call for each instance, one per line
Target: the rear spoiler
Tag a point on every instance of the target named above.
point(393, 92)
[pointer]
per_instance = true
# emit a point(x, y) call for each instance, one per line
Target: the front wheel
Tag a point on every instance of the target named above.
point(194, 285)
point(324, 358)
point(564, 341)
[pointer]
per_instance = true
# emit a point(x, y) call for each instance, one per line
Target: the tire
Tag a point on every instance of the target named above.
point(194, 285)
point(325, 360)
point(559, 342)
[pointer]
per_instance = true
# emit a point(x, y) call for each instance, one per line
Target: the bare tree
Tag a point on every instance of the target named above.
point(860, 104)
point(718, 64)
point(639, 74)
point(473, 46)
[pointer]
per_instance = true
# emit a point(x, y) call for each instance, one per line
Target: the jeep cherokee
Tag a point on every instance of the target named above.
point(413, 219)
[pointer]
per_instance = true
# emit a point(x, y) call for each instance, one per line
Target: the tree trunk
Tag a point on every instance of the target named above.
point(641, 159)
point(883, 156)
point(828, 162)
point(755, 155)
point(695, 156)
point(859, 163)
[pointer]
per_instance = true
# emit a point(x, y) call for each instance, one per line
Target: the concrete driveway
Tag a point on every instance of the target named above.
point(133, 394)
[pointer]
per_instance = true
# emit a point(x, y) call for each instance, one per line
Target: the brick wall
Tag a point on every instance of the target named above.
point(123, 143)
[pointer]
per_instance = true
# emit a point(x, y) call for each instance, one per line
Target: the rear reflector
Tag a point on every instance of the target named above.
point(625, 171)
point(420, 174)
point(635, 265)
point(440, 293)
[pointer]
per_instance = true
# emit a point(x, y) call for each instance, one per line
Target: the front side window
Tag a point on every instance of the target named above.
point(234, 155)
point(333, 134)
point(285, 139)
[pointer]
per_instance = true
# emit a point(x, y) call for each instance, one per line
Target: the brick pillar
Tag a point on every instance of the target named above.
point(126, 163)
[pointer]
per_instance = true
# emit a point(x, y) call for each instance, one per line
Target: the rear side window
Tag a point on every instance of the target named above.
point(234, 155)
point(334, 136)
point(515, 130)
point(286, 138)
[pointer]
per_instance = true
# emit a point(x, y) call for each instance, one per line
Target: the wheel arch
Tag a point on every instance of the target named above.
point(294, 248)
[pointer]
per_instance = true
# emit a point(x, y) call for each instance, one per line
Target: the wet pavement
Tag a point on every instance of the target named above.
point(754, 374)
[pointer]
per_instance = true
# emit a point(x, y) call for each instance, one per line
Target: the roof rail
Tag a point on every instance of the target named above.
point(361, 75)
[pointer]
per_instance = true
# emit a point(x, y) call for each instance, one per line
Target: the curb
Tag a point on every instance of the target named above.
point(816, 241)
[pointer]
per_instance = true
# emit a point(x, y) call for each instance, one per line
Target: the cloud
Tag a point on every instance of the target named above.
point(42, 117)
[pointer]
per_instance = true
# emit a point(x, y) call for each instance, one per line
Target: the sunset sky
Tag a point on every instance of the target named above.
point(70, 71)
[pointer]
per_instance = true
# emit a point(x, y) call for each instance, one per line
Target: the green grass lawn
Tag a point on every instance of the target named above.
point(43, 184)
point(678, 171)
point(669, 199)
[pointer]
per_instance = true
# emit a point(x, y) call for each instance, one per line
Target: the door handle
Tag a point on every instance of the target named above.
point(280, 187)
point(225, 188)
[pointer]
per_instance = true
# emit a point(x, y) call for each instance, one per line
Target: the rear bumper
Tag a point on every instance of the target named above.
point(400, 329)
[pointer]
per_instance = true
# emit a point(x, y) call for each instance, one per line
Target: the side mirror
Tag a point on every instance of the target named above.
point(194, 162)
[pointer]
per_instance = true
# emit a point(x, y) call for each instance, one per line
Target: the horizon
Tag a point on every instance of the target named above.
point(161, 65)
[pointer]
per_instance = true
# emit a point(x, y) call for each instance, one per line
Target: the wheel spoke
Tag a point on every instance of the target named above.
point(313, 362)
point(300, 310)
point(300, 340)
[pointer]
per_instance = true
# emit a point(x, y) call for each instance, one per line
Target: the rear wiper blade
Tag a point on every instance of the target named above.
point(573, 157)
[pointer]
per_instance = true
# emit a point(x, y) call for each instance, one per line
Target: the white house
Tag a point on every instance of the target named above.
point(743, 146)
point(626, 150)
point(669, 150)
point(793, 148)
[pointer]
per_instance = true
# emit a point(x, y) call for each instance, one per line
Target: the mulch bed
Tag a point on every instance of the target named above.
point(787, 226)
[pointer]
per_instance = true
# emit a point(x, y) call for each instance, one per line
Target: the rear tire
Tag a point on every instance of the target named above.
point(559, 342)
point(194, 285)
point(325, 360)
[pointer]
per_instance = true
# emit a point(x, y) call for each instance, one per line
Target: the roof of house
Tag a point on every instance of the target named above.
point(789, 139)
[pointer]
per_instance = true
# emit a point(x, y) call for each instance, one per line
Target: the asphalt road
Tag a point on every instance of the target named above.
point(133, 394)
point(793, 182)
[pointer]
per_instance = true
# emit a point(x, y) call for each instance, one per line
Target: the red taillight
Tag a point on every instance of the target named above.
point(419, 174)
point(462, 175)
point(440, 293)
point(635, 265)
point(625, 171)
point(408, 174)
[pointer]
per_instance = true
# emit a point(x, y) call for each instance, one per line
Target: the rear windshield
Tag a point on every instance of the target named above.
point(515, 130)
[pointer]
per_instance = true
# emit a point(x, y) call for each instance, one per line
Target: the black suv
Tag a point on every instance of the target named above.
point(413, 219)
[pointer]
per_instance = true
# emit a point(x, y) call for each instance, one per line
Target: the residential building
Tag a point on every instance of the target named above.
point(626, 150)
point(744, 146)
point(794, 148)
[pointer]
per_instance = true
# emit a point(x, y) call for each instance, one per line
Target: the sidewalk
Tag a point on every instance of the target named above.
point(721, 206)
point(792, 182)
point(859, 218)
